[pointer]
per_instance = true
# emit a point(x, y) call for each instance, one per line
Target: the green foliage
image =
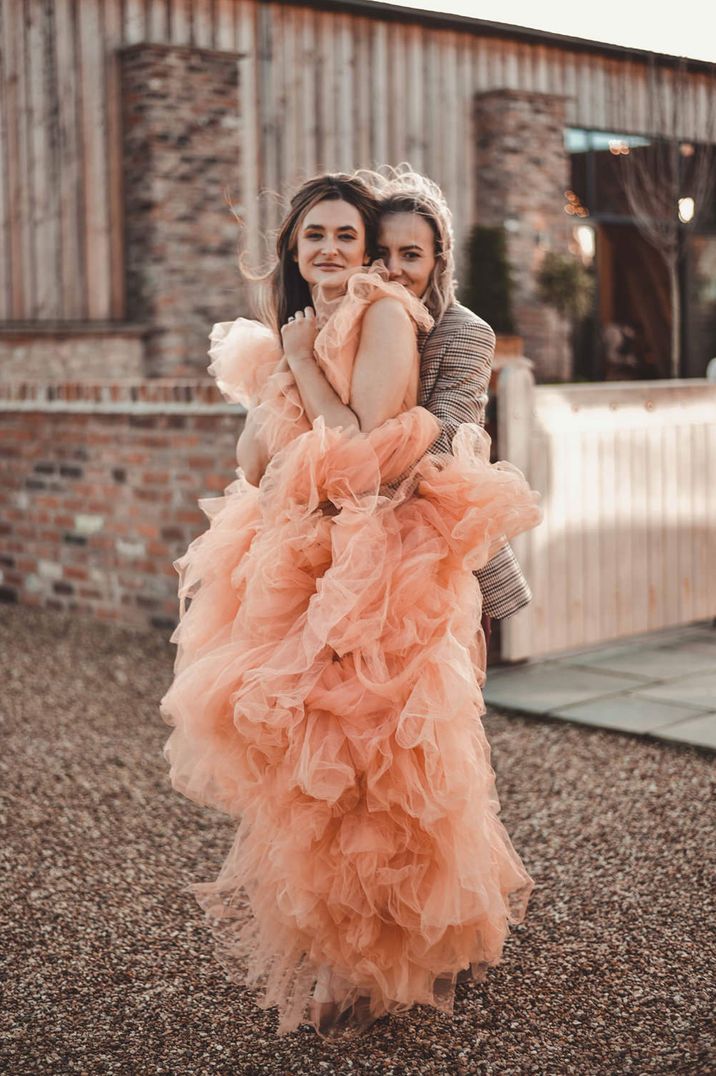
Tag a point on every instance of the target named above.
point(488, 292)
point(564, 283)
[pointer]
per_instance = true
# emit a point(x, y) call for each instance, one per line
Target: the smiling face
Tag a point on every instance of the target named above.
point(406, 243)
point(330, 239)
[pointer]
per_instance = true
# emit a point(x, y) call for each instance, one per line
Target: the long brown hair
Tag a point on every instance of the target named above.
point(287, 290)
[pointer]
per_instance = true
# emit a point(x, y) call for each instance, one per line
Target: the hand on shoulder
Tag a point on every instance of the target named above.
point(299, 334)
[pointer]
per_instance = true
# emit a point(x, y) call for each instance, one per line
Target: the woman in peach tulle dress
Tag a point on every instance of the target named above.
point(326, 690)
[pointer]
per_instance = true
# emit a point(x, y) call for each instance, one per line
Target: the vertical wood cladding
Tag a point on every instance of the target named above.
point(320, 90)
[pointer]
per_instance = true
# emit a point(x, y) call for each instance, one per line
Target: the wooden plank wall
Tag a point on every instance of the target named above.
point(319, 90)
point(628, 540)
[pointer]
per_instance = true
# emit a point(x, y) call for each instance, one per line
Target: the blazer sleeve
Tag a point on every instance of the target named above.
point(460, 395)
point(460, 391)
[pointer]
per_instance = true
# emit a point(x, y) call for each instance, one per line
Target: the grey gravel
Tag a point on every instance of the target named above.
point(108, 964)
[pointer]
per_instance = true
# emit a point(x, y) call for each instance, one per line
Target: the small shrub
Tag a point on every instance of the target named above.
point(488, 292)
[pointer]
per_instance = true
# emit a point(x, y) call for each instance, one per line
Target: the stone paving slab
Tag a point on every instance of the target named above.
point(627, 713)
point(696, 691)
point(654, 663)
point(542, 688)
point(699, 730)
point(662, 684)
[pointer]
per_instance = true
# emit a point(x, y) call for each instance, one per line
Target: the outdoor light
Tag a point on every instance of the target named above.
point(585, 238)
point(574, 207)
point(686, 210)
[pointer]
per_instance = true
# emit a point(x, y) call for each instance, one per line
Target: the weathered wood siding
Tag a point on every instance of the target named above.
point(318, 90)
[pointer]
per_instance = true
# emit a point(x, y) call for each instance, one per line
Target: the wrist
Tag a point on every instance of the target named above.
point(299, 356)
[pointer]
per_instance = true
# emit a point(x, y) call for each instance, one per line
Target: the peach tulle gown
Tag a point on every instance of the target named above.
point(327, 694)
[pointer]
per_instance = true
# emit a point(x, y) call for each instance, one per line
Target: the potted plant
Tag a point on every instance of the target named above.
point(488, 291)
point(564, 283)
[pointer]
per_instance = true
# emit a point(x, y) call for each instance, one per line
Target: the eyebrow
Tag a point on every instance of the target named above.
point(320, 228)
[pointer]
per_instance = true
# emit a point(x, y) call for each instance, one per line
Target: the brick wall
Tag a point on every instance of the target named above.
point(63, 352)
point(98, 491)
point(522, 174)
point(181, 157)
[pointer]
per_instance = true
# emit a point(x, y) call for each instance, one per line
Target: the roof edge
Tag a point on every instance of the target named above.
point(486, 28)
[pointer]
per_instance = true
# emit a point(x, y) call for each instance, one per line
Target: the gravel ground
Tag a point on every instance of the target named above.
point(109, 966)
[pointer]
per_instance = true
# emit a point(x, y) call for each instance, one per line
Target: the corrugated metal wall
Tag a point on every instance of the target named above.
point(318, 90)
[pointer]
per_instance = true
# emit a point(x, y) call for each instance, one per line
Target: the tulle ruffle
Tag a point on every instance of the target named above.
point(244, 354)
point(337, 342)
point(328, 695)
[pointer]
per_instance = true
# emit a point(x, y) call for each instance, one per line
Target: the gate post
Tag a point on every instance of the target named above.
point(515, 418)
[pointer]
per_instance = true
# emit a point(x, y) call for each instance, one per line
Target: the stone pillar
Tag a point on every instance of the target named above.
point(522, 174)
point(181, 154)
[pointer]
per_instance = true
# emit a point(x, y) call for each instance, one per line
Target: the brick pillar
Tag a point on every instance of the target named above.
point(181, 152)
point(522, 174)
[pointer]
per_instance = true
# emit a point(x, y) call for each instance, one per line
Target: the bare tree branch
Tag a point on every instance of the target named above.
point(678, 163)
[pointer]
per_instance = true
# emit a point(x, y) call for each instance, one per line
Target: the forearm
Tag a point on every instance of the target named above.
point(251, 454)
point(317, 394)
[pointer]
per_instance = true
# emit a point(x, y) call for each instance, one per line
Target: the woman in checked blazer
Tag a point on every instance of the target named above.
point(415, 242)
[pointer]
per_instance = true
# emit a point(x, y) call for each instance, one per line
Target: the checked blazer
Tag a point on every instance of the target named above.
point(455, 365)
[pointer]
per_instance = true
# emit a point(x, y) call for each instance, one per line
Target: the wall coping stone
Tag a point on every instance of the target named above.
point(118, 396)
point(72, 328)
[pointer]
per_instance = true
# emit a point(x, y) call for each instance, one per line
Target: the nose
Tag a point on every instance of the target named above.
point(393, 266)
point(328, 246)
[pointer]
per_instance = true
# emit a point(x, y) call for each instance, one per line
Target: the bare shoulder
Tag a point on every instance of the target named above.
point(385, 313)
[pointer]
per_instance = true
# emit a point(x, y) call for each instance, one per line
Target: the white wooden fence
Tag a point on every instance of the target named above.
point(627, 473)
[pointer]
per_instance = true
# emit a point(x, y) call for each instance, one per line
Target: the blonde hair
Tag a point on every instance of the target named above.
point(401, 190)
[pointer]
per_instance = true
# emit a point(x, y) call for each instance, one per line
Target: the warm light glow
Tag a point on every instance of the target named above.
point(617, 146)
point(686, 210)
point(585, 238)
point(574, 207)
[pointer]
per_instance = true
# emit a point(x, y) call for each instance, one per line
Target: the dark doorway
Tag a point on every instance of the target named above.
point(633, 329)
point(700, 314)
point(628, 335)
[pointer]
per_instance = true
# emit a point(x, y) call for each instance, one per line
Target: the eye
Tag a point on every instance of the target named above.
point(347, 237)
point(412, 256)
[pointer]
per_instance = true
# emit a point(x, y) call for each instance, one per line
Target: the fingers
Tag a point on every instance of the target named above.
point(308, 313)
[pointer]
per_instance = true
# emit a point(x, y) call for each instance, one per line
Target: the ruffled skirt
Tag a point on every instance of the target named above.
point(327, 694)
